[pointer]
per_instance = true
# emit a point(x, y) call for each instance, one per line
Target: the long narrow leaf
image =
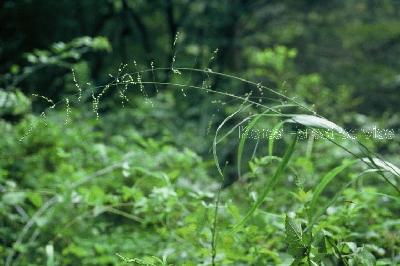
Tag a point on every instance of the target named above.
point(315, 121)
point(324, 182)
point(272, 137)
point(242, 142)
point(216, 135)
point(271, 184)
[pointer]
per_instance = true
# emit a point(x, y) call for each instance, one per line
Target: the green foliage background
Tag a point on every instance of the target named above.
point(93, 172)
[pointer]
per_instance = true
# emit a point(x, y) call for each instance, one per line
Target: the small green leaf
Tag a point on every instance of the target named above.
point(35, 198)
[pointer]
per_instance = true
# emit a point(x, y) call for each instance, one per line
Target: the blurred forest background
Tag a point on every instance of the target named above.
point(140, 181)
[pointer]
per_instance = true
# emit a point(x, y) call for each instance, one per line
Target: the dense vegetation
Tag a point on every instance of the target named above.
point(178, 132)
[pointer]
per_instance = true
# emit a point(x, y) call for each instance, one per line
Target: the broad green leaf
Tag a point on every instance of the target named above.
point(364, 258)
point(294, 237)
